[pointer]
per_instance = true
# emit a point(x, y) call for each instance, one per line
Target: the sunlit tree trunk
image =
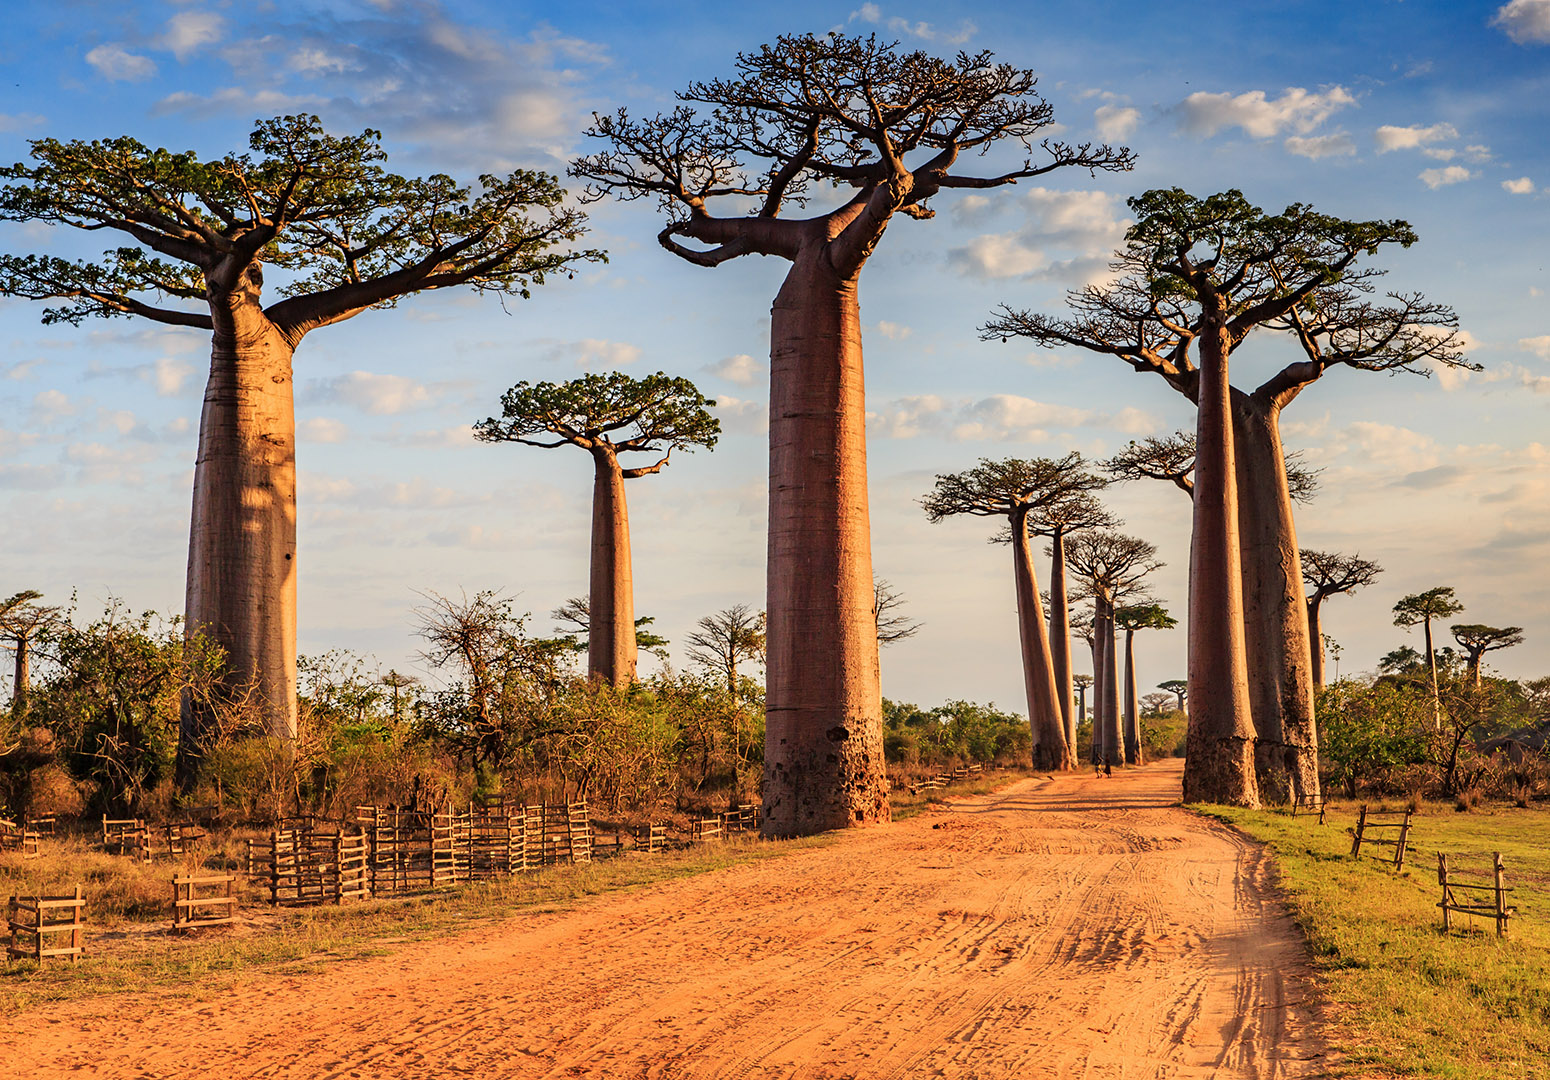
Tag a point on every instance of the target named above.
point(1060, 638)
point(22, 676)
point(1316, 641)
point(823, 764)
point(1113, 731)
point(611, 650)
point(242, 542)
point(1219, 767)
point(1132, 708)
point(1278, 644)
point(1044, 716)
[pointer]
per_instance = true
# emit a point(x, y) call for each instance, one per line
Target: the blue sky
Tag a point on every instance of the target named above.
point(1432, 112)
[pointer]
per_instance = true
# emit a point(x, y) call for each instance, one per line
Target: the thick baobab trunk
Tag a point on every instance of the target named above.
point(1044, 717)
point(22, 677)
point(242, 541)
point(1316, 642)
point(1132, 709)
point(1113, 731)
point(1060, 638)
point(1275, 612)
point(1099, 682)
point(1219, 766)
point(823, 759)
point(611, 652)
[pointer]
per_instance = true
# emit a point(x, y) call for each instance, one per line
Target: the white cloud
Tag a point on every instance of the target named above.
point(51, 405)
point(893, 331)
point(1389, 137)
point(1116, 122)
point(741, 416)
point(117, 64)
point(998, 418)
point(322, 429)
point(872, 13)
point(169, 373)
point(378, 395)
point(1539, 346)
point(1085, 226)
point(188, 31)
point(1259, 116)
point(1521, 186)
point(1525, 21)
point(1436, 178)
point(742, 369)
point(319, 61)
point(1335, 144)
point(594, 353)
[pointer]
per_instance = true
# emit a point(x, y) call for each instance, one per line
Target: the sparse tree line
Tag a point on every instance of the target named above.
point(807, 153)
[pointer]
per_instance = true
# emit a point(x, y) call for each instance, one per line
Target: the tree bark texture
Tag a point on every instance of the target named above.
point(1277, 640)
point(1044, 717)
point(823, 766)
point(1132, 709)
point(241, 588)
point(1316, 641)
point(1100, 683)
point(22, 678)
point(1060, 639)
point(611, 651)
point(1219, 766)
point(1113, 730)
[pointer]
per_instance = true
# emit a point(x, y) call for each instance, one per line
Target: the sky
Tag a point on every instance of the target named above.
point(1434, 112)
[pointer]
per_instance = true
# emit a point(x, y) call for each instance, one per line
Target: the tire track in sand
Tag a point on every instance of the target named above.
point(1077, 928)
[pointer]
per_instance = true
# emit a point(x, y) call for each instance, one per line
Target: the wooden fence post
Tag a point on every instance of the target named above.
point(1501, 895)
point(1399, 850)
point(1361, 823)
point(1442, 879)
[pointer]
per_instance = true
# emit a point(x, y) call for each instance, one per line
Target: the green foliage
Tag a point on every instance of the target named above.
point(959, 731)
point(1438, 603)
point(659, 412)
point(1365, 731)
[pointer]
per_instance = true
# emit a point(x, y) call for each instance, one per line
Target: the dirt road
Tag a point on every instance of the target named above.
point(1073, 928)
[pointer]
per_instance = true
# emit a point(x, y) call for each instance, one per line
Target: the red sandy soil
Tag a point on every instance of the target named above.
point(1074, 927)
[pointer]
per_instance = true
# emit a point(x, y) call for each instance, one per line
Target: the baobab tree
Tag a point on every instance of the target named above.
point(1329, 573)
point(1423, 607)
point(1081, 683)
point(1111, 567)
point(725, 640)
point(1178, 687)
point(575, 619)
point(800, 118)
point(608, 415)
point(1130, 619)
point(1195, 278)
point(1078, 510)
point(1478, 639)
point(347, 236)
point(22, 619)
point(1017, 490)
point(1171, 458)
point(892, 624)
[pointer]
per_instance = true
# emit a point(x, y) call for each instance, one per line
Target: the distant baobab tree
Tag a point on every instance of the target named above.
point(1478, 639)
point(1195, 278)
point(1017, 490)
point(1130, 619)
point(1080, 683)
point(1328, 574)
point(800, 119)
point(1177, 687)
point(1077, 510)
point(1111, 567)
point(22, 619)
point(892, 624)
point(346, 236)
point(727, 639)
point(1171, 458)
point(1422, 608)
point(608, 415)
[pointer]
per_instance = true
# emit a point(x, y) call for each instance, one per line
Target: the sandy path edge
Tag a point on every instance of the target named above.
point(1078, 927)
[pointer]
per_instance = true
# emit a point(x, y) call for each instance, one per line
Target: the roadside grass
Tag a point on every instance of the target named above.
point(907, 804)
point(1407, 999)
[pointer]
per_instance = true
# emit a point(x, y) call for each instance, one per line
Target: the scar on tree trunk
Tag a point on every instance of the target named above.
point(823, 748)
point(611, 649)
point(242, 539)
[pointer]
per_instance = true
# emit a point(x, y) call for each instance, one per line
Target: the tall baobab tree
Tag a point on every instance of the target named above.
point(347, 236)
point(798, 119)
point(608, 415)
point(1195, 278)
point(22, 618)
point(1478, 639)
point(1018, 490)
point(1423, 607)
point(1328, 573)
point(726, 639)
point(1130, 619)
point(1112, 567)
point(1078, 510)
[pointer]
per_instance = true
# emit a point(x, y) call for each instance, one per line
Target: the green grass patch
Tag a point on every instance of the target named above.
point(1407, 999)
point(202, 964)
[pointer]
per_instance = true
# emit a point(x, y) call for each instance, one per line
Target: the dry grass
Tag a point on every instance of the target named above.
point(1407, 999)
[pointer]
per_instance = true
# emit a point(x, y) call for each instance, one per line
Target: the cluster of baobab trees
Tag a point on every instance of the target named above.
point(873, 134)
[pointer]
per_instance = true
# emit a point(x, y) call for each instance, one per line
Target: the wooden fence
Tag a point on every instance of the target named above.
point(1365, 824)
point(1472, 901)
point(22, 838)
point(1311, 804)
point(199, 901)
point(942, 779)
point(35, 919)
point(311, 861)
